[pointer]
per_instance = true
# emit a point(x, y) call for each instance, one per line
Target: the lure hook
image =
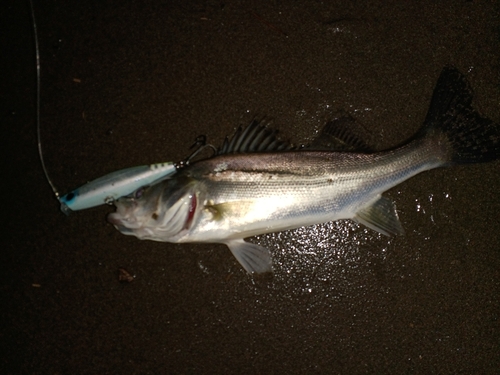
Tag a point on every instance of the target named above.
point(201, 142)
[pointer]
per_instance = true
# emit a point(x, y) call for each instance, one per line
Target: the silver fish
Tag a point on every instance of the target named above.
point(258, 184)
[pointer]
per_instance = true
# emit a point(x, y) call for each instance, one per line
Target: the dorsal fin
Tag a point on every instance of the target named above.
point(341, 134)
point(256, 137)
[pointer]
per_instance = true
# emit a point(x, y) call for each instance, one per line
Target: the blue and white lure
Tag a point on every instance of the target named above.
point(108, 188)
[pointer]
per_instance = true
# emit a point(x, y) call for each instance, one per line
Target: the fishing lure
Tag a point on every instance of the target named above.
point(108, 188)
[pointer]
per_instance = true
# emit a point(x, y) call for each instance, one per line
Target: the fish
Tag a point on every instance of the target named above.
point(257, 183)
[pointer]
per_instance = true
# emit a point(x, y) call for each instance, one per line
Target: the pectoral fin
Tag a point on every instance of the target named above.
point(253, 258)
point(381, 216)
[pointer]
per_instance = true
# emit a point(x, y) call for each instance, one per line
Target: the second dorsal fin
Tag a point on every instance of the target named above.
point(341, 134)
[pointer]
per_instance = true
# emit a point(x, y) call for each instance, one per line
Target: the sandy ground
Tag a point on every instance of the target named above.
point(127, 83)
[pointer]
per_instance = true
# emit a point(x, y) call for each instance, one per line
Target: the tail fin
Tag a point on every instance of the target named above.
point(473, 138)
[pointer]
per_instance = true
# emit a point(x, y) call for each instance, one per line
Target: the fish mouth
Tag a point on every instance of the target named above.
point(118, 222)
point(122, 218)
point(128, 227)
point(116, 219)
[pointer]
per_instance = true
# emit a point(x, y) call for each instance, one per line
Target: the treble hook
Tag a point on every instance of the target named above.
point(201, 142)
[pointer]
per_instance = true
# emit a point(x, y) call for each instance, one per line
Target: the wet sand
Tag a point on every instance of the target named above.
point(131, 83)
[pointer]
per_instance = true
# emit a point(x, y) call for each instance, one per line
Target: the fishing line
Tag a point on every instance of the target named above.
point(38, 85)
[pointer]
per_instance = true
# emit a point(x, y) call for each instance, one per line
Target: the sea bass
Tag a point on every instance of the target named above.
point(259, 184)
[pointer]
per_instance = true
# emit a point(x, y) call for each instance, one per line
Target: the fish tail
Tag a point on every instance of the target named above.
point(470, 138)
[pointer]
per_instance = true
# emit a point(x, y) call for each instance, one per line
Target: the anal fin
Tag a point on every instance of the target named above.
point(253, 258)
point(381, 216)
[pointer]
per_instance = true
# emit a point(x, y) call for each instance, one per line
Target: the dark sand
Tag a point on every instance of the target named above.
point(127, 83)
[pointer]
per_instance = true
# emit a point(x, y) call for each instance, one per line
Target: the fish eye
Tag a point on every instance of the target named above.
point(139, 192)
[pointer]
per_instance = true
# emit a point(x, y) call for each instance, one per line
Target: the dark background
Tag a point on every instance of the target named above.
point(127, 83)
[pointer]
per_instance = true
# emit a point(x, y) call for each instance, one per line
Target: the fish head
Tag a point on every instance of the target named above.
point(160, 212)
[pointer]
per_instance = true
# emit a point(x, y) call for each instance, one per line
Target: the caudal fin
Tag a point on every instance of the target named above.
point(473, 138)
